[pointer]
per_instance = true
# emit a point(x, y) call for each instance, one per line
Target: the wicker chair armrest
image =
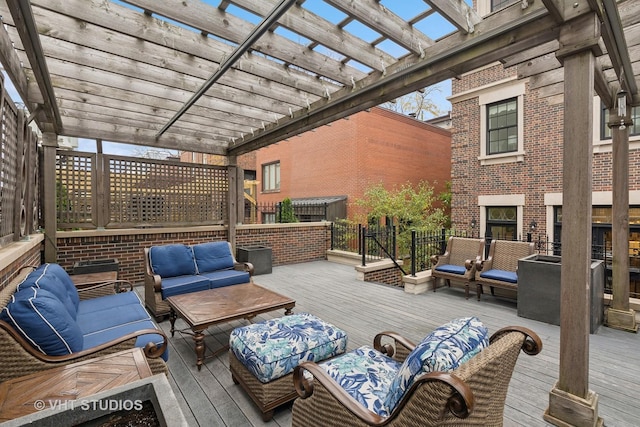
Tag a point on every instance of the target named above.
point(532, 344)
point(461, 403)
point(244, 266)
point(305, 386)
point(150, 350)
point(393, 350)
point(434, 260)
point(484, 264)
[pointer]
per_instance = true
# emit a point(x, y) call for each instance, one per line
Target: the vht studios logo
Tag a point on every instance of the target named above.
point(89, 405)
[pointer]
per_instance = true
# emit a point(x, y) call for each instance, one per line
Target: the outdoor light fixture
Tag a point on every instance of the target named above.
point(473, 223)
point(532, 226)
point(622, 107)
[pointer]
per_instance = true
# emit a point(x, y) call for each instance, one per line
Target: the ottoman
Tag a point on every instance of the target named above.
point(262, 355)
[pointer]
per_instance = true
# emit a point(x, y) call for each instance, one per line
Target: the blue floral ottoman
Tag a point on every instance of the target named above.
point(263, 355)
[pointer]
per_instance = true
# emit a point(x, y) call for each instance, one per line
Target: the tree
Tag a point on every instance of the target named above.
point(286, 212)
point(410, 208)
point(416, 104)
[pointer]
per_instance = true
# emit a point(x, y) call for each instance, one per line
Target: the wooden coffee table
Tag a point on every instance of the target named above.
point(206, 308)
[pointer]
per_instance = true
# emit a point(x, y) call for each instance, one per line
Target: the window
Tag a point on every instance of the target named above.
point(271, 177)
point(502, 222)
point(502, 127)
point(605, 130)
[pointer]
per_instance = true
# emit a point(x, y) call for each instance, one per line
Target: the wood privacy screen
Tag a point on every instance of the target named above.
point(18, 172)
point(96, 190)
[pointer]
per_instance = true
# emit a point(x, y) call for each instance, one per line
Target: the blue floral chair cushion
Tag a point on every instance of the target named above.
point(273, 348)
point(366, 375)
point(444, 349)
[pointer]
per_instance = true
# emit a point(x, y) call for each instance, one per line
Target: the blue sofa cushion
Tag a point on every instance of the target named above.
point(63, 276)
point(366, 374)
point(273, 348)
point(91, 305)
point(114, 332)
point(50, 282)
point(218, 279)
point(42, 319)
point(453, 269)
point(108, 317)
point(172, 260)
point(182, 285)
point(212, 256)
point(444, 349)
point(501, 275)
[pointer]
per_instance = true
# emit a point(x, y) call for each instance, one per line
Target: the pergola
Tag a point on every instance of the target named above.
point(187, 75)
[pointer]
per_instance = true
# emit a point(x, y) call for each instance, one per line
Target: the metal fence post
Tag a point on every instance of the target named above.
point(364, 245)
point(413, 253)
point(333, 224)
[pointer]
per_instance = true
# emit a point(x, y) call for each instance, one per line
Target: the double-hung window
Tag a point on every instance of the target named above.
point(605, 130)
point(502, 127)
point(271, 177)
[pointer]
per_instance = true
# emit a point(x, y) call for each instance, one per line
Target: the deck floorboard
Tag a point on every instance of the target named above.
point(331, 291)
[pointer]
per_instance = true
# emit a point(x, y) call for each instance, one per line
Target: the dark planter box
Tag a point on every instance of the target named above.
point(539, 290)
point(96, 266)
point(259, 256)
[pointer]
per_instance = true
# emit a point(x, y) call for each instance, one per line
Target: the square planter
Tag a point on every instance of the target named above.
point(96, 266)
point(539, 290)
point(259, 256)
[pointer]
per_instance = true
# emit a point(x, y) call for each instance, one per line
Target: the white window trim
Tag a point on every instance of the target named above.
point(516, 200)
point(516, 90)
point(606, 145)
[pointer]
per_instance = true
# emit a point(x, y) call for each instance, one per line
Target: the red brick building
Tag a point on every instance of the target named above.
point(507, 146)
point(348, 156)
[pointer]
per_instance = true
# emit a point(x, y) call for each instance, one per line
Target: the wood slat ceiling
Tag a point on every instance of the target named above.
point(122, 70)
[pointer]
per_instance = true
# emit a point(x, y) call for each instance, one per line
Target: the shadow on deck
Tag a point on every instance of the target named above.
point(210, 398)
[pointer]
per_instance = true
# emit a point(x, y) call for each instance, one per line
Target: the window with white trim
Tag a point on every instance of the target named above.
point(605, 130)
point(271, 177)
point(502, 127)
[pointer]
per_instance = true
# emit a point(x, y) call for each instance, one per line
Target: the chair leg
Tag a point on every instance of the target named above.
point(448, 282)
point(466, 290)
point(478, 290)
point(435, 283)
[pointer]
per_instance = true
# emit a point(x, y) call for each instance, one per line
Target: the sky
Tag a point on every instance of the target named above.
point(435, 27)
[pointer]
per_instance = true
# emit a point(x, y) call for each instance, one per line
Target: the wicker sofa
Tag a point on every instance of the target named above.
point(500, 269)
point(46, 322)
point(384, 385)
point(176, 269)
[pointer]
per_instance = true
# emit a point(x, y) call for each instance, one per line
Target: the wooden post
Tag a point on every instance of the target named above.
point(232, 211)
point(49, 145)
point(571, 403)
point(619, 315)
point(99, 187)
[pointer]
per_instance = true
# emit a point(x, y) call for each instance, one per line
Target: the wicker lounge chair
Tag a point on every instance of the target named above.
point(473, 394)
point(458, 263)
point(500, 269)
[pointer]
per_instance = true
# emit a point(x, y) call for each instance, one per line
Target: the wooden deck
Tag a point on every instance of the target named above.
point(210, 398)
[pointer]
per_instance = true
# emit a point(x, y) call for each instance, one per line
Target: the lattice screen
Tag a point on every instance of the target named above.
point(74, 188)
point(8, 173)
point(156, 192)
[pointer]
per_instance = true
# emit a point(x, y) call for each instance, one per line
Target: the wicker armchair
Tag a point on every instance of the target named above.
point(500, 269)
point(458, 263)
point(474, 394)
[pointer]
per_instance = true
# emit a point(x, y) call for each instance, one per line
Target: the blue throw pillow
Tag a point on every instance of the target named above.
point(40, 317)
point(42, 278)
point(444, 349)
point(212, 256)
point(172, 260)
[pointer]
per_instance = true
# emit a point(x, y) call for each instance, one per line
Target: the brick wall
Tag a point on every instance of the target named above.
point(388, 276)
point(18, 255)
point(290, 243)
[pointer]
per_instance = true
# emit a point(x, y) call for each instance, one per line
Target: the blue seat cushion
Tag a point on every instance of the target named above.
point(453, 269)
point(273, 348)
point(366, 374)
point(501, 275)
point(444, 349)
point(212, 256)
point(108, 301)
point(182, 285)
point(218, 279)
point(43, 320)
point(109, 317)
point(50, 282)
point(172, 260)
point(96, 338)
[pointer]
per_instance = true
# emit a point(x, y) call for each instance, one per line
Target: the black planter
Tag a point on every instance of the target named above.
point(539, 290)
point(96, 266)
point(259, 256)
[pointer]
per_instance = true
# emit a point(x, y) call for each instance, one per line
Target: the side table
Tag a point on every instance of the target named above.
point(52, 387)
